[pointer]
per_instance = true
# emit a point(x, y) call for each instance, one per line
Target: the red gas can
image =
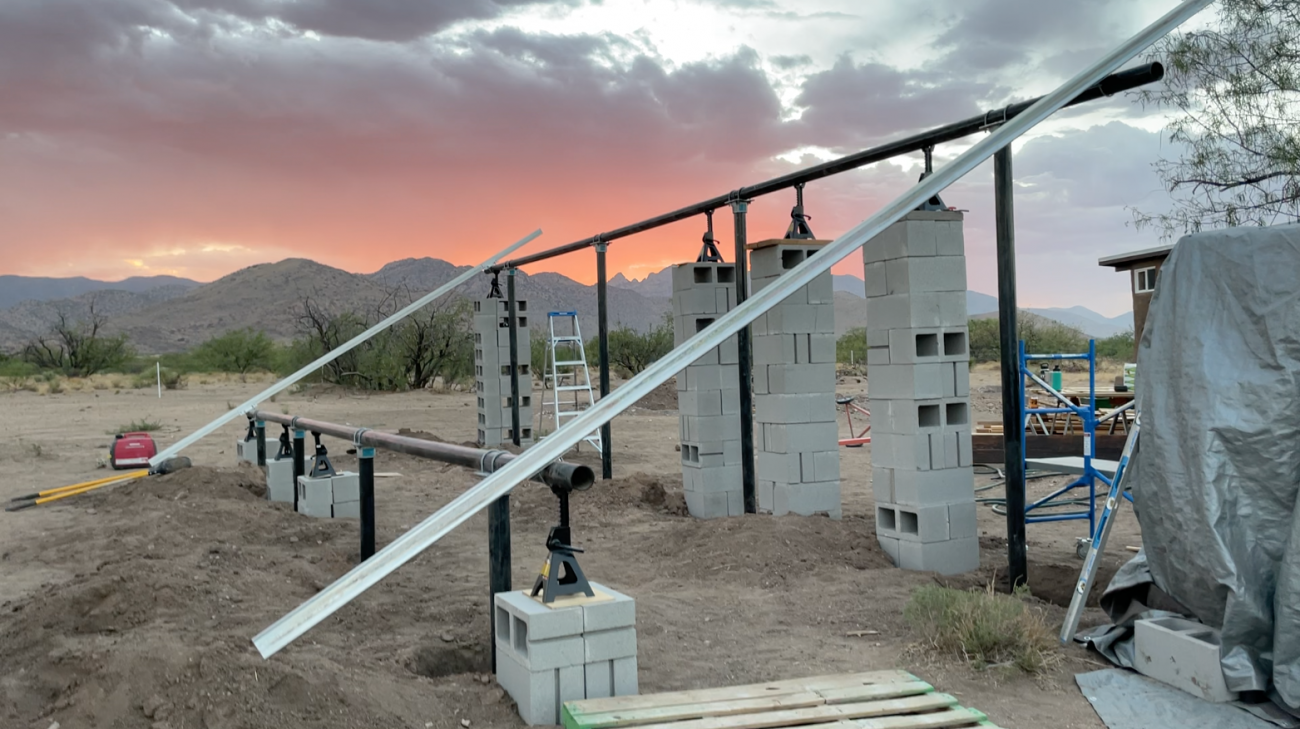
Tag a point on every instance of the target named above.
point(132, 450)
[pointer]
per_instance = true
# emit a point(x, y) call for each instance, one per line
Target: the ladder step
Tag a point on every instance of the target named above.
point(565, 338)
point(571, 388)
point(570, 363)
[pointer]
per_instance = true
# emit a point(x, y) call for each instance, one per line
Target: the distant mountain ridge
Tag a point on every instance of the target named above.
point(16, 289)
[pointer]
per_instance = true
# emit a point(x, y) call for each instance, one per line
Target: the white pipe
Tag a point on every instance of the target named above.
point(329, 356)
point(423, 535)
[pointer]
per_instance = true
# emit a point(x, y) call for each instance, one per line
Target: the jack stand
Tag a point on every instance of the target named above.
point(936, 202)
point(709, 253)
point(561, 574)
point(286, 448)
point(799, 229)
point(320, 463)
point(251, 435)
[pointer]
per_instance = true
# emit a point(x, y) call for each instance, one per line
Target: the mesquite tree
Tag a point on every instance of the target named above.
point(1234, 89)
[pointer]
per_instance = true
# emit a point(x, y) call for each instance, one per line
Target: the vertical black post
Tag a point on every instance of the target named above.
point(1013, 429)
point(299, 462)
point(498, 561)
point(744, 367)
point(513, 311)
point(602, 328)
point(366, 467)
point(260, 427)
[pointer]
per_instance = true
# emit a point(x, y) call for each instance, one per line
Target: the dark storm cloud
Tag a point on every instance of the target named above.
point(990, 34)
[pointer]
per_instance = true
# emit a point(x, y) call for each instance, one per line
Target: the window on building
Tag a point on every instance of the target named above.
point(1144, 280)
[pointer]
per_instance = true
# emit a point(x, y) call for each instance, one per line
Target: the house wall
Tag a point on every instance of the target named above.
point(1141, 301)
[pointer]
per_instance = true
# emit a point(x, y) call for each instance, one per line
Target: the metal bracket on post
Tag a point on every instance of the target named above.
point(320, 463)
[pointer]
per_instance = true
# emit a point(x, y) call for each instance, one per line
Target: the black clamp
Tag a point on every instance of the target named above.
point(320, 462)
point(709, 253)
point(799, 228)
point(935, 202)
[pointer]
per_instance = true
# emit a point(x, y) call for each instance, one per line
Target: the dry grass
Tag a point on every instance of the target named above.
point(985, 628)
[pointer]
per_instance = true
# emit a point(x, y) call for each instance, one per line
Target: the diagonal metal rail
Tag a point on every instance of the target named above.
point(337, 352)
point(500, 483)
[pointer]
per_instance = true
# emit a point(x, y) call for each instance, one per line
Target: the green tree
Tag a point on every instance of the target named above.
point(78, 348)
point(1234, 89)
point(852, 347)
point(631, 351)
point(239, 350)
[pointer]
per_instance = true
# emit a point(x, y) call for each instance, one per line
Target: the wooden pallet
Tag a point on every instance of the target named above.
point(875, 700)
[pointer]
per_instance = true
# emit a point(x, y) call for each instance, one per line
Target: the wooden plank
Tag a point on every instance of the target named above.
point(954, 717)
point(988, 448)
point(833, 695)
point(817, 714)
point(748, 691)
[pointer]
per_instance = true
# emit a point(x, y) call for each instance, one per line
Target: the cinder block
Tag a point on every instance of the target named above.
point(774, 349)
point(246, 450)
point(780, 468)
point(821, 348)
point(907, 417)
point(794, 379)
point(707, 505)
point(906, 382)
point(1183, 654)
point(728, 354)
point(625, 676)
point(346, 486)
point(890, 547)
point(600, 679)
point(874, 279)
point(926, 274)
point(877, 356)
point(572, 685)
point(609, 615)
point(315, 496)
point(710, 377)
point(825, 319)
point(699, 402)
point(794, 438)
point(949, 240)
point(531, 620)
point(731, 401)
point(948, 374)
point(807, 499)
point(882, 484)
point(806, 408)
point(954, 344)
point(763, 495)
point(922, 523)
point(821, 290)
point(606, 645)
point(915, 345)
point(953, 557)
point(963, 520)
point(900, 452)
point(542, 655)
point(961, 379)
point(346, 509)
point(792, 319)
point(827, 465)
point(877, 336)
point(533, 691)
point(944, 486)
point(900, 311)
point(279, 480)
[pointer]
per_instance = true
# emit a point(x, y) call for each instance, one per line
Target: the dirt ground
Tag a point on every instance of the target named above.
point(135, 606)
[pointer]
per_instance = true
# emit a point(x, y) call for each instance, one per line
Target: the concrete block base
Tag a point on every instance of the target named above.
point(337, 496)
point(953, 557)
point(1183, 654)
point(279, 480)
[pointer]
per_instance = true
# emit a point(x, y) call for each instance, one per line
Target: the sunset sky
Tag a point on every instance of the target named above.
point(196, 137)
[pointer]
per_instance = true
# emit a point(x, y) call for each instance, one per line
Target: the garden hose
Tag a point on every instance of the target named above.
point(999, 505)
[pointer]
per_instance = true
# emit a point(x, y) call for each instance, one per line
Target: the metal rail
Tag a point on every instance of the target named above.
point(429, 531)
point(573, 476)
point(333, 354)
point(1113, 84)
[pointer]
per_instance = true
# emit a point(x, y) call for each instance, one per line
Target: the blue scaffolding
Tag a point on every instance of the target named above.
point(1087, 414)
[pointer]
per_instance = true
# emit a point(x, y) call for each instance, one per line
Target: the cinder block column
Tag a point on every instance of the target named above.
point(918, 388)
point(795, 436)
point(708, 394)
point(570, 650)
point(492, 371)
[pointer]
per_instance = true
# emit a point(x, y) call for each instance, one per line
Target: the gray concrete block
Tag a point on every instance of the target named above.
point(542, 655)
point(877, 336)
point(346, 486)
point(758, 379)
point(528, 620)
point(728, 354)
point(904, 452)
point(774, 349)
point(599, 679)
point(945, 486)
point(915, 345)
point(699, 402)
point(889, 546)
point(793, 319)
point(954, 344)
point(887, 244)
point(279, 480)
point(952, 308)
point(948, 376)
point(821, 348)
point(571, 685)
point(735, 503)
point(906, 382)
point(315, 497)
point(877, 356)
point(794, 379)
point(949, 240)
point(827, 465)
point(346, 509)
point(821, 290)
point(961, 379)
point(695, 301)
point(805, 408)
point(825, 319)
point(794, 438)
point(882, 484)
point(953, 557)
point(708, 358)
point(534, 692)
point(807, 499)
point(963, 520)
point(763, 494)
point(606, 645)
point(902, 311)
point(906, 417)
point(780, 468)
point(874, 279)
point(618, 613)
point(706, 505)
point(714, 428)
point(920, 523)
point(964, 455)
point(711, 377)
point(925, 274)
point(1183, 654)
point(625, 676)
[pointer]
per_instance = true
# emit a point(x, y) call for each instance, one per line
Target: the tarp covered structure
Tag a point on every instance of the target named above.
point(1216, 473)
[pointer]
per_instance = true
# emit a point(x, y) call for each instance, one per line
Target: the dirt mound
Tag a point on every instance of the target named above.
point(663, 397)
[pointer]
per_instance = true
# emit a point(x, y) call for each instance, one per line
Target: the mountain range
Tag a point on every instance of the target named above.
point(164, 313)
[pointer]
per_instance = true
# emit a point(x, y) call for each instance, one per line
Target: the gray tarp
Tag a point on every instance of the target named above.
point(1217, 468)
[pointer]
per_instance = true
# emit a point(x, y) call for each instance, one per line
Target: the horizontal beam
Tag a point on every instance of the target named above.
point(1113, 84)
point(571, 476)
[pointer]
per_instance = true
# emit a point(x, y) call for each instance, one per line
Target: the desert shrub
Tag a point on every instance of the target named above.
point(852, 347)
point(240, 351)
point(986, 628)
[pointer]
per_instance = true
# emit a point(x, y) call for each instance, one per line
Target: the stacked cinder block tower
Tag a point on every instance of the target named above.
point(796, 439)
point(492, 371)
point(708, 393)
point(573, 649)
point(918, 381)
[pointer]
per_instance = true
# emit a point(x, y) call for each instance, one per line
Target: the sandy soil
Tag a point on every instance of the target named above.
point(135, 606)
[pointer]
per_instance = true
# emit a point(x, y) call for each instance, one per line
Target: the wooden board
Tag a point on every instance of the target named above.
point(786, 242)
point(875, 700)
point(987, 448)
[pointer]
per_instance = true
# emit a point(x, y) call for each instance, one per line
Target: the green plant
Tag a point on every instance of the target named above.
point(631, 351)
point(240, 351)
point(983, 627)
point(851, 349)
point(78, 348)
point(138, 426)
point(172, 380)
point(55, 387)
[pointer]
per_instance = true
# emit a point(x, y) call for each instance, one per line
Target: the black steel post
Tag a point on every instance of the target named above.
point(743, 365)
point(498, 561)
point(366, 467)
point(1013, 429)
point(513, 310)
point(260, 427)
point(299, 461)
point(602, 327)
